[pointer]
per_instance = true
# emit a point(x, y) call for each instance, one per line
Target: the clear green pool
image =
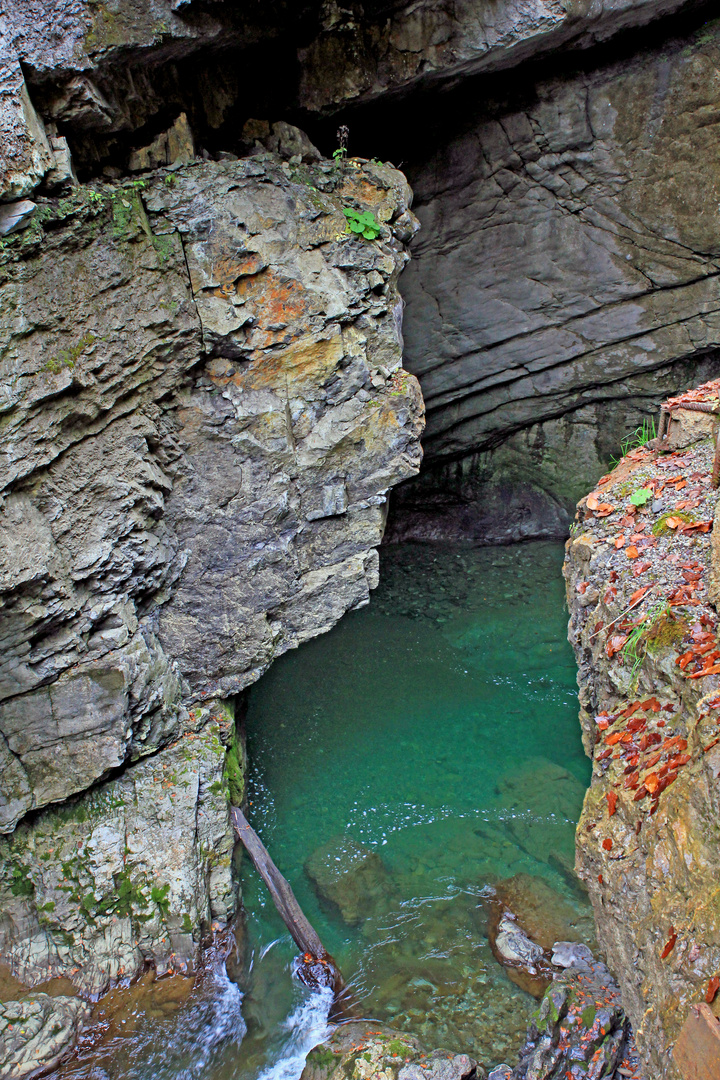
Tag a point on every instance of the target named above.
point(437, 728)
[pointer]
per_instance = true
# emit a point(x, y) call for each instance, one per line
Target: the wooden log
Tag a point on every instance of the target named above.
point(317, 967)
point(283, 897)
point(697, 1050)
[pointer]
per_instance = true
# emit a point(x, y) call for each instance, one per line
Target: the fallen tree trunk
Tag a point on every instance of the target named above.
point(317, 967)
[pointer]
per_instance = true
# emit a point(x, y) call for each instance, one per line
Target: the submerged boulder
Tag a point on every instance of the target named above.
point(349, 877)
point(527, 919)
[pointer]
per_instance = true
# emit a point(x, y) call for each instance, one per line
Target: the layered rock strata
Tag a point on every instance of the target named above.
point(642, 584)
point(568, 262)
point(203, 410)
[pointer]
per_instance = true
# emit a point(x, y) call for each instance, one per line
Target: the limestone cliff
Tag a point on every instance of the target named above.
point(642, 571)
point(203, 409)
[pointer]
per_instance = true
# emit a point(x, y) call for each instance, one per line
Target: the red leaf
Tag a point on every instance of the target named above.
point(670, 944)
point(607, 844)
point(615, 644)
point(612, 802)
point(632, 552)
point(712, 989)
point(652, 782)
point(639, 593)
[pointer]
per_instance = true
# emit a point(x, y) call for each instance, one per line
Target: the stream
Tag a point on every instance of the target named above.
point(432, 738)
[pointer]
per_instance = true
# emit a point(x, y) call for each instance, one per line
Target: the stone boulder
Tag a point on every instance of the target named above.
point(349, 877)
point(37, 1032)
point(527, 918)
point(370, 1051)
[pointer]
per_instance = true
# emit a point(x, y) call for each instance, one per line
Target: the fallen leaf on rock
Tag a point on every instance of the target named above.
point(612, 802)
point(641, 568)
point(607, 844)
point(592, 502)
point(674, 522)
point(670, 943)
point(611, 740)
point(640, 793)
point(676, 762)
point(632, 552)
point(652, 782)
point(619, 542)
point(713, 987)
point(604, 509)
point(639, 593)
point(714, 669)
point(615, 644)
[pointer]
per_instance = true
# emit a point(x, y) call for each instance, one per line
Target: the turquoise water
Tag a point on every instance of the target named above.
point(437, 730)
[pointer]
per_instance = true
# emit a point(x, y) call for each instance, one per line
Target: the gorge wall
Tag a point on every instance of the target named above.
point(643, 623)
point(203, 411)
point(202, 401)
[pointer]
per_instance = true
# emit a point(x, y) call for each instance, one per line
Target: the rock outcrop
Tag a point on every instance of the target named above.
point(565, 278)
point(642, 571)
point(203, 409)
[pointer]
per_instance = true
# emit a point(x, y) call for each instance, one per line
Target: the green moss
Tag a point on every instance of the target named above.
point(20, 882)
point(235, 773)
point(321, 1057)
point(186, 925)
point(397, 1046)
point(165, 248)
point(661, 528)
point(68, 357)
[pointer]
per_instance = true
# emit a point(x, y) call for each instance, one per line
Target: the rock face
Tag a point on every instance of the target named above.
point(37, 1032)
point(644, 630)
point(567, 262)
point(203, 410)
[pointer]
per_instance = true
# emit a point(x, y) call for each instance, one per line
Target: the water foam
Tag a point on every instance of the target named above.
point(307, 1026)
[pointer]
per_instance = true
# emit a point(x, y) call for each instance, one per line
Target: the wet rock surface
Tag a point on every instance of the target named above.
point(37, 1032)
point(580, 1029)
point(641, 573)
point(365, 1051)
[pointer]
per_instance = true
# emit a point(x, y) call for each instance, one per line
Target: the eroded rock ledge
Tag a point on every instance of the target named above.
point(642, 572)
point(203, 408)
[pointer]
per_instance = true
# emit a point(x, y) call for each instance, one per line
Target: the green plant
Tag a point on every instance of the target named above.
point(641, 436)
point(641, 496)
point(159, 896)
point(643, 633)
point(362, 222)
point(340, 154)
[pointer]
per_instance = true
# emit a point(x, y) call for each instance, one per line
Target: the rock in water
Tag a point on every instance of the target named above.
point(37, 1032)
point(349, 877)
point(366, 1051)
point(527, 918)
point(543, 913)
